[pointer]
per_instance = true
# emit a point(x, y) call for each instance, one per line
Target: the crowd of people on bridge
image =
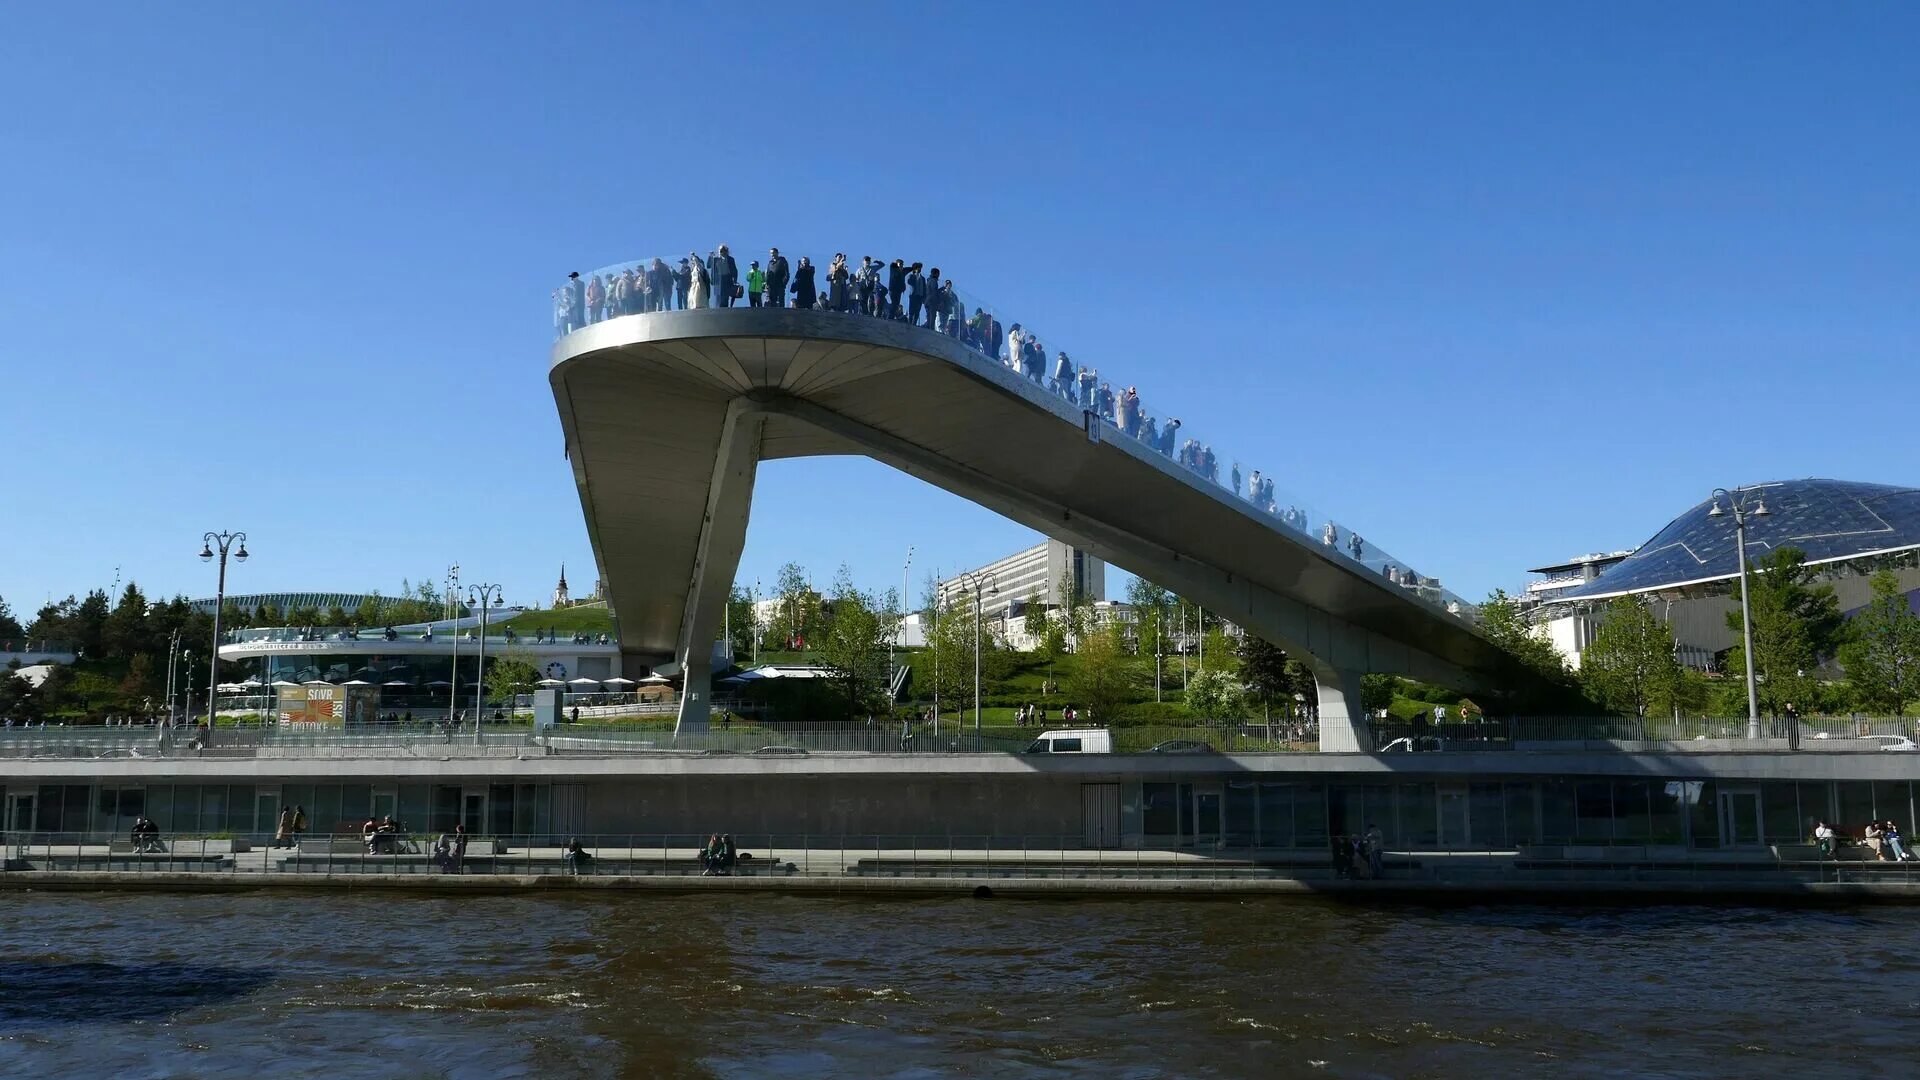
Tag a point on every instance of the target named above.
point(912, 293)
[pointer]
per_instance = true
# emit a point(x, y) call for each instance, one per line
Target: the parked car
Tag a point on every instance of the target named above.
point(1073, 741)
point(1181, 746)
point(1890, 742)
point(782, 751)
point(1411, 743)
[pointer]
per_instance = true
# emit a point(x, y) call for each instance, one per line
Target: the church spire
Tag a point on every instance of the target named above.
point(560, 598)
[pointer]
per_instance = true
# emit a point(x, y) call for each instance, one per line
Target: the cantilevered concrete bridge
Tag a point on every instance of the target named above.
point(667, 414)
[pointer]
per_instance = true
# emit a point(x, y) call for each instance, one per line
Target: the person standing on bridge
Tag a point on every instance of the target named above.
point(803, 284)
point(683, 283)
point(837, 283)
point(896, 287)
point(1063, 375)
point(933, 298)
point(659, 286)
point(725, 274)
point(916, 293)
point(777, 276)
point(699, 283)
point(1357, 546)
point(756, 284)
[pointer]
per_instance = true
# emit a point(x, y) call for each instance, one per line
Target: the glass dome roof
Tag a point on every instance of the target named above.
point(1830, 520)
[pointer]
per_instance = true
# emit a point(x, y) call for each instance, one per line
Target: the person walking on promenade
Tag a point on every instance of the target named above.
point(916, 292)
point(803, 284)
point(756, 284)
point(896, 287)
point(699, 283)
point(283, 829)
point(724, 274)
point(460, 839)
point(299, 822)
point(777, 277)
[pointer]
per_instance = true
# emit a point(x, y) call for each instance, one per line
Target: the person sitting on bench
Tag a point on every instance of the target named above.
point(146, 837)
point(578, 860)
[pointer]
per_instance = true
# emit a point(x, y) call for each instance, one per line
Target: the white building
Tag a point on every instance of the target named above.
point(1010, 582)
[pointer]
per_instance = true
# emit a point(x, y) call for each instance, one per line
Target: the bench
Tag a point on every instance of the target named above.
point(408, 844)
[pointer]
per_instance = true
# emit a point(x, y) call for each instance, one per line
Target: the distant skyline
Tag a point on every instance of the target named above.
point(1495, 284)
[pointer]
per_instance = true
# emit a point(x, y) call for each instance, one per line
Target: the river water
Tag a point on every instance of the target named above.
point(352, 984)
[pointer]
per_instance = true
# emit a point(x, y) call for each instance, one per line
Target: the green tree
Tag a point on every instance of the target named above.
point(124, 634)
point(19, 701)
point(739, 622)
point(370, 612)
point(797, 617)
point(512, 671)
point(1034, 619)
point(10, 628)
point(950, 641)
point(1881, 653)
point(1377, 692)
point(853, 647)
point(1629, 666)
point(1796, 624)
point(1215, 694)
point(1264, 667)
point(1104, 677)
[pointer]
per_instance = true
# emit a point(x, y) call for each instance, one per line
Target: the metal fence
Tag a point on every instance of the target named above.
point(970, 857)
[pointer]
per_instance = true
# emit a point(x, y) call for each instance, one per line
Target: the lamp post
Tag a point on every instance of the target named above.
point(227, 541)
point(1742, 511)
point(982, 585)
point(485, 596)
point(452, 611)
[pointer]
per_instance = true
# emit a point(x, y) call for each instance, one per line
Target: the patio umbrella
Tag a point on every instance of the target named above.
point(439, 682)
point(398, 684)
point(284, 682)
point(656, 680)
point(584, 681)
point(618, 681)
point(551, 682)
point(356, 682)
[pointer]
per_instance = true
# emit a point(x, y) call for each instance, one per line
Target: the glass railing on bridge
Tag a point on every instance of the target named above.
point(1011, 349)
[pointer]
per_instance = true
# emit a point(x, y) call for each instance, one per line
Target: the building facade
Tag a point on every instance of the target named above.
point(1011, 582)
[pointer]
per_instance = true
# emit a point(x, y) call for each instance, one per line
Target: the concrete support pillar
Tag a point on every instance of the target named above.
point(1343, 720)
point(722, 535)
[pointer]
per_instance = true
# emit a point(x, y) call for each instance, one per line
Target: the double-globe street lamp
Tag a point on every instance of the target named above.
point(982, 585)
point(237, 543)
point(1742, 510)
point(483, 596)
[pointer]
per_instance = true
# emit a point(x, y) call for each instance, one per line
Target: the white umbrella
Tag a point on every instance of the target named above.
point(283, 682)
point(551, 682)
point(400, 684)
point(618, 681)
point(356, 682)
point(656, 680)
point(439, 682)
point(584, 681)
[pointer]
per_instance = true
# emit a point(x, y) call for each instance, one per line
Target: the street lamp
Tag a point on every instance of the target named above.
point(226, 542)
point(977, 582)
point(485, 596)
point(1742, 511)
point(451, 610)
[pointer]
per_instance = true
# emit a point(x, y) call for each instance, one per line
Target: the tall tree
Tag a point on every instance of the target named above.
point(1264, 667)
point(739, 623)
point(1034, 619)
point(1215, 694)
point(1881, 653)
point(1377, 692)
point(853, 647)
point(797, 617)
point(1629, 667)
point(124, 633)
point(1796, 624)
point(1104, 677)
point(512, 671)
point(10, 628)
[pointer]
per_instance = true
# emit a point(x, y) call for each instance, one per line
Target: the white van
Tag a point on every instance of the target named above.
point(1073, 741)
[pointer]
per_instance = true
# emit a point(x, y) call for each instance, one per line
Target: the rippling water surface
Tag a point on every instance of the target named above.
point(368, 984)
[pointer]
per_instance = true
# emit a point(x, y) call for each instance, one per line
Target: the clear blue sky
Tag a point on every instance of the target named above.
point(1495, 284)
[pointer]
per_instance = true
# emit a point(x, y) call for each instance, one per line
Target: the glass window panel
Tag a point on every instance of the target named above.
point(1630, 825)
point(1380, 810)
point(1418, 821)
point(1556, 811)
point(1780, 812)
point(1667, 813)
point(1486, 814)
point(186, 808)
point(1309, 815)
point(500, 809)
point(1856, 804)
point(328, 815)
point(1160, 809)
point(1185, 803)
point(1703, 812)
point(356, 801)
point(1593, 812)
point(1240, 813)
point(1346, 810)
point(1276, 815)
point(446, 807)
point(1523, 826)
point(213, 808)
point(1891, 803)
point(1816, 805)
point(413, 804)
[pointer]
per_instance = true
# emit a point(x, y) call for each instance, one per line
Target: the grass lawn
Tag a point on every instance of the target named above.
point(590, 620)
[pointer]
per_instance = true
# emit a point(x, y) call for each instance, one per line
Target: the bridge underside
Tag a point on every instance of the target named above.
point(668, 414)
